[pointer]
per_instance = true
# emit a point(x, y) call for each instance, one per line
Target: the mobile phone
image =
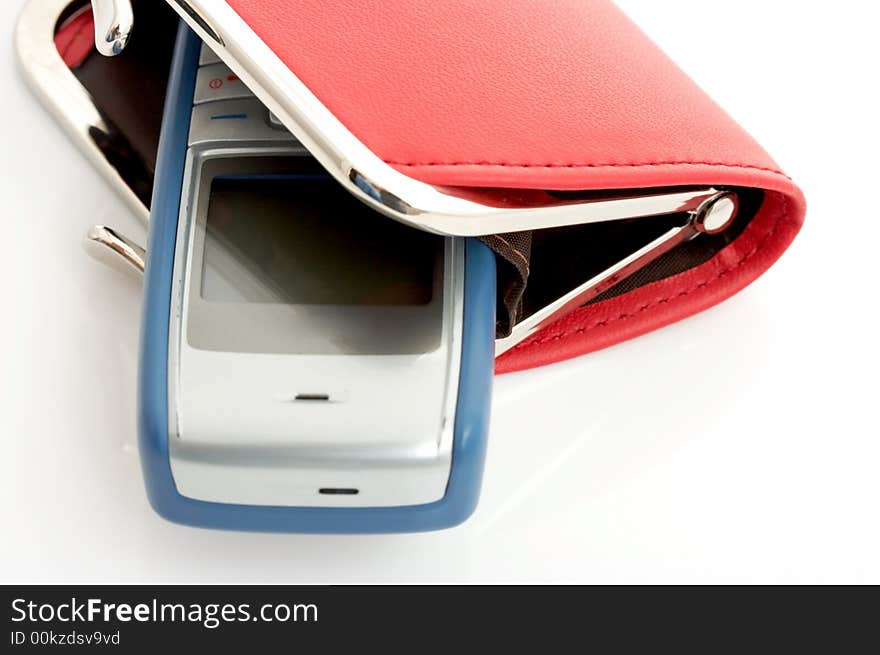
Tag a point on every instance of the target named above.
point(306, 363)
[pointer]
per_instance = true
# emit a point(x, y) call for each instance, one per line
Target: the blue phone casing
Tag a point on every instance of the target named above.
point(475, 383)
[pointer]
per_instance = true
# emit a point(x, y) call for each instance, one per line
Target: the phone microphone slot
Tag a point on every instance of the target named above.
point(312, 397)
point(315, 397)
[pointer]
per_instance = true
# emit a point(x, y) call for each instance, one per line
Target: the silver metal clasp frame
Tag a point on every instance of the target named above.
point(115, 250)
point(714, 213)
point(66, 98)
point(72, 105)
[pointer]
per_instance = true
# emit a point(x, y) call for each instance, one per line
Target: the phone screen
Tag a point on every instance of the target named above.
point(283, 260)
point(300, 240)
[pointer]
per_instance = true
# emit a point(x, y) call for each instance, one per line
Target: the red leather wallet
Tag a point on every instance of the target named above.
point(465, 98)
point(566, 95)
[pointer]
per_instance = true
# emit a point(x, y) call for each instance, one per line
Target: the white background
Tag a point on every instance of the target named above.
point(737, 446)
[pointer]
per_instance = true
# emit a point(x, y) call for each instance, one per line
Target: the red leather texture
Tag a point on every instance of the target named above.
point(568, 94)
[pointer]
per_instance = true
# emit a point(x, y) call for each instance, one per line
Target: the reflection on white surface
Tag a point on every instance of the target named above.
point(612, 468)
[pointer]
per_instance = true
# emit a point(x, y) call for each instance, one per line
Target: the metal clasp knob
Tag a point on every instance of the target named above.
point(716, 211)
point(116, 251)
point(114, 20)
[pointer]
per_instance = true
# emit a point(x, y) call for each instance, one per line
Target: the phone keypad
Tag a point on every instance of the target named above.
point(225, 110)
point(233, 120)
point(218, 82)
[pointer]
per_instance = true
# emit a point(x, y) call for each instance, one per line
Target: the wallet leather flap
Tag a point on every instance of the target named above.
point(567, 94)
point(557, 95)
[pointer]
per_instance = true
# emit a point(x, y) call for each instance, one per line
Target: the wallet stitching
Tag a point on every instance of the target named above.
point(681, 294)
point(589, 165)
